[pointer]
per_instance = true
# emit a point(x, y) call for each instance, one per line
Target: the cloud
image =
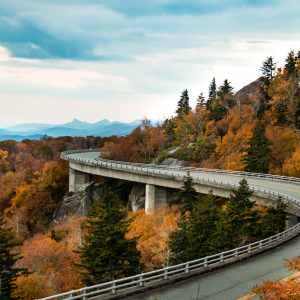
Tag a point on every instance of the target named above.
point(100, 30)
point(4, 54)
point(128, 59)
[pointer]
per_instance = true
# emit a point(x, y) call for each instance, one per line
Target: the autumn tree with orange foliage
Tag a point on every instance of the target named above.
point(33, 206)
point(152, 232)
point(142, 145)
point(286, 289)
point(50, 259)
point(291, 166)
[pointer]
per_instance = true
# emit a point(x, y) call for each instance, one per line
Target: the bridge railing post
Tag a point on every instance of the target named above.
point(141, 280)
point(113, 290)
point(205, 262)
point(221, 257)
point(236, 253)
point(187, 267)
point(165, 273)
point(71, 295)
point(84, 295)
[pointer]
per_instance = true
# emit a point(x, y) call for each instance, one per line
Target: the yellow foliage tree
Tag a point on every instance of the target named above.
point(283, 143)
point(291, 166)
point(50, 259)
point(153, 233)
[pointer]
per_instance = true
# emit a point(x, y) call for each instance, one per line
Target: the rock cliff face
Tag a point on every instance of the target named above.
point(251, 93)
point(80, 202)
point(136, 199)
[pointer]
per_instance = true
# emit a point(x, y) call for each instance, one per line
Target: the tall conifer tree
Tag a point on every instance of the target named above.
point(241, 215)
point(183, 106)
point(257, 154)
point(8, 258)
point(195, 236)
point(225, 88)
point(200, 102)
point(212, 94)
point(188, 195)
point(106, 254)
point(290, 63)
point(268, 70)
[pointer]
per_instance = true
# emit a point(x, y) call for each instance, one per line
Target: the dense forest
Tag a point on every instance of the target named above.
point(255, 129)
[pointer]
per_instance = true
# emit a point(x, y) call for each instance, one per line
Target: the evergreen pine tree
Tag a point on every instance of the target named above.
point(8, 258)
point(242, 217)
point(257, 154)
point(212, 94)
point(179, 241)
point(194, 237)
point(281, 109)
point(268, 69)
point(169, 127)
point(183, 106)
point(225, 89)
point(218, 111)
point(106, 254)
point(263, 106)
point(274, 221)
point(290, 63)
point(223, 101)
point(239, 200)
point(297, 115)
point(226, 95)
point(188, 195)
point(200, 103)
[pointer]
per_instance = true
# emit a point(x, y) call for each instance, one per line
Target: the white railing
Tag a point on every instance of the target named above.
point(110, 163)
point(143, 281)
point(158, 277)
point(179, 174)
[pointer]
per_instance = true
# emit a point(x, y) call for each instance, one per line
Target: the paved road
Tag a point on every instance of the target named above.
point(231, 282)
point(283, 187)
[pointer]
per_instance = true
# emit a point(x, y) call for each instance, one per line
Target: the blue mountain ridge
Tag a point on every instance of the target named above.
point(76, 127)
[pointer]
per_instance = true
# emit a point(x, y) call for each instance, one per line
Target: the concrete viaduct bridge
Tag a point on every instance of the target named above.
point(225, 283)
point(267, 188)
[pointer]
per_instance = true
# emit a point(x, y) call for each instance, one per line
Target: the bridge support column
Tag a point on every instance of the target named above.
point(77, 180)
point(291, 220)
point(150, 199)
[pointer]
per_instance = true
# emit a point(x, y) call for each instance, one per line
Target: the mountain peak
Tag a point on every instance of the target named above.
point(75, 120)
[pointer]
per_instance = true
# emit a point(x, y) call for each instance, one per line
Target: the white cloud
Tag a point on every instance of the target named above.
point(160, 55)
point(4, 54)
point(55, 74)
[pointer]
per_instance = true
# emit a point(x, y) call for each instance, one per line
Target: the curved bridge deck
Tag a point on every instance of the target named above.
point(221, 182)
point(231, 282)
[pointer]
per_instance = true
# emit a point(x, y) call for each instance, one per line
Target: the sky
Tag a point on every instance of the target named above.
point(126, 60)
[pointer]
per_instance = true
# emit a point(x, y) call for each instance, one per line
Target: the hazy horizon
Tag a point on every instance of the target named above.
point(8, 125)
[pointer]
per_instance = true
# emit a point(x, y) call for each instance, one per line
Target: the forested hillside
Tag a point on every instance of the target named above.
point(255, 129)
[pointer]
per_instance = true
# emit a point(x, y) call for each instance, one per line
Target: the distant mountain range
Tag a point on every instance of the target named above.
point(76, 127)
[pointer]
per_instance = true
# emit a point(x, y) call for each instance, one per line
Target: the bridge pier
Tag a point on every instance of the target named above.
point(77, 180)
point(291, 220)
point(150, 199)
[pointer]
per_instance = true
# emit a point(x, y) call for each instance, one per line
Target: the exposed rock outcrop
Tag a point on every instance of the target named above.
point(172, 162)
point(136, 199)
point(79, 202)
point(251, 93)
